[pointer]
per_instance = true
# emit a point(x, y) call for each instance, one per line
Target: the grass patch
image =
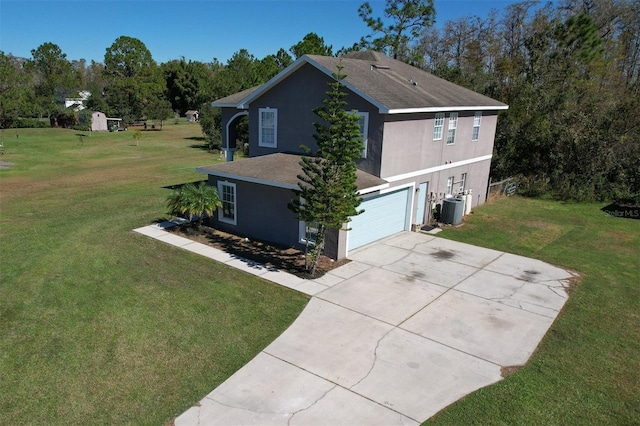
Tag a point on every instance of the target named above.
point(587, 368)
point(98, 324)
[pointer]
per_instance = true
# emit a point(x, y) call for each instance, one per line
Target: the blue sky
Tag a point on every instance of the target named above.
point(199, 30)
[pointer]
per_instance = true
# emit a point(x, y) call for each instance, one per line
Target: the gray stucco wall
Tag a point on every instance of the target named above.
point(295, 98)
point(409, 146)
point(476, 180)
point(262, 213)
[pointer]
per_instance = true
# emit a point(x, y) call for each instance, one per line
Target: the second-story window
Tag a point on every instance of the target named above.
point(453, 125)
point(475, 134)
point(438, 124)
point(268, 133)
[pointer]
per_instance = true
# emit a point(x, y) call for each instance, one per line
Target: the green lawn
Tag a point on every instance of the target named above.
point(98, 324)
point(587, 369)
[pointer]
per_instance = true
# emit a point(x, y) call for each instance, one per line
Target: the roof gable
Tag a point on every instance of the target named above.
point(392, 86)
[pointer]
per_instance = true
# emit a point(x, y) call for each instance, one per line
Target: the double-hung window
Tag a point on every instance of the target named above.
point(364, 130)
point(453, 124)
point(463, 182)
point(475, 134)
point(438, 124)
point(449, 185)
point(227, 213)
point(268, 129)
point(308, 231)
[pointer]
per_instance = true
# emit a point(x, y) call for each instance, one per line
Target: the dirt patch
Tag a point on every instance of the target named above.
point(509, 370)
point(285, 259)
point(5, 165)
point(572, 282)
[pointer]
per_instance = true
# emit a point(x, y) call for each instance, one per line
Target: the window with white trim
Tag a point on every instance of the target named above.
point(363, 122)
point(438, 124)
point(463, 182)
point(308, 233)
point(475, 134)
point(268, 127)
point(449, 185)
point(227, 213)
point(453, 125)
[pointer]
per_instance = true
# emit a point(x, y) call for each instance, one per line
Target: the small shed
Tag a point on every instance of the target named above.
point(192, 116)
point(98, 121)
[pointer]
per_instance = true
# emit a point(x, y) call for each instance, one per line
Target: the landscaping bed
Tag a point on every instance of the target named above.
point(286, 259)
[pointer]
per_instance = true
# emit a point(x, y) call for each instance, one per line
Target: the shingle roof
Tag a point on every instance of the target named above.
point(393, 86)
point(233, 100)
point(277, 169)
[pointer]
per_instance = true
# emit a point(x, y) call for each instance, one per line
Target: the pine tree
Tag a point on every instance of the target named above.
point(328, 195)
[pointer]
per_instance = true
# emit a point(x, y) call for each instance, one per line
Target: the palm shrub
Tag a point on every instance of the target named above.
point(193, 201)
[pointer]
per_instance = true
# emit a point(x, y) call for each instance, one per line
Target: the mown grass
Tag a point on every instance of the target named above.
point(98, 324)
point(587, 368)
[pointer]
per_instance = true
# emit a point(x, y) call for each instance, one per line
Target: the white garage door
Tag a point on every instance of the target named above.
point(383, 215)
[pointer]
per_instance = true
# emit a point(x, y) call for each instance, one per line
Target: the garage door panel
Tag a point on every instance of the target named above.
point(384, 215)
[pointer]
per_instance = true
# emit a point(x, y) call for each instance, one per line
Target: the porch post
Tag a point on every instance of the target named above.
point(229, 153)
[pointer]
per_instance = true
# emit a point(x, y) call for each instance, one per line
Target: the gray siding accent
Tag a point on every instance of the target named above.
point(262, 213)
point(295, 98)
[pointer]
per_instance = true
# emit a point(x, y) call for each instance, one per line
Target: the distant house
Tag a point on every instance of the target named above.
point(77, 103)
point(424, 139)
point(192, 116)
point(98, 121)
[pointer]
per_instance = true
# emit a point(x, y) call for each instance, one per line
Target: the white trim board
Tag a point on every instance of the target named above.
point(437, 168)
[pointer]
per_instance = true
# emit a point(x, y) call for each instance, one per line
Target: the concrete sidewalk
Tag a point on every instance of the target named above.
point(410, 325)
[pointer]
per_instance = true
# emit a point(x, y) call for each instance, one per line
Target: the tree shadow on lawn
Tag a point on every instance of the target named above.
point(257, 253)
point(178, 186)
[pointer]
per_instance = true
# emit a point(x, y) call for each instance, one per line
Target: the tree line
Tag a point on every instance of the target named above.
point(568, 70)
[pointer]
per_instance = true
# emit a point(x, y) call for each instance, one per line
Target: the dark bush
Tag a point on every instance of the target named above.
point(25, 123)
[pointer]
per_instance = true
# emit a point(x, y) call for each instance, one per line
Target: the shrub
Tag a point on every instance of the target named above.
point(25, 123)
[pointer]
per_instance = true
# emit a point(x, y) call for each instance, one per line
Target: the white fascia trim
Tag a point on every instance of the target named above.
point(217, 105)
point(446, 109)
point(246, 179)
point(399, 187)
point(373, 189)
point(438, 168)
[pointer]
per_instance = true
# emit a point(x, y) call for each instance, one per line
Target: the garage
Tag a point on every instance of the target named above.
point(383, 215)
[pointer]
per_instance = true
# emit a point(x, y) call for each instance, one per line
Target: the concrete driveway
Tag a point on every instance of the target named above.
point(411, 325)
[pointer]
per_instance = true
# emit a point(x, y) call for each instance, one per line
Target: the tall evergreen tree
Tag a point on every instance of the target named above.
point(15, 91)
point(409, 18)
point(328, 196)
point(133, 78)
point(311, 44)
point(55, 76)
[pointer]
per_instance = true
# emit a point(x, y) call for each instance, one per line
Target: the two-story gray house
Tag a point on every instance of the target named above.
point(423, 138)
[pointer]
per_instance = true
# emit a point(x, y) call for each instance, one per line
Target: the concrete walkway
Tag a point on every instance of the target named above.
point(410, 325)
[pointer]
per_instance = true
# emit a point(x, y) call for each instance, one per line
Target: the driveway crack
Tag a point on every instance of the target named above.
point(375, 358)
point(310, 405)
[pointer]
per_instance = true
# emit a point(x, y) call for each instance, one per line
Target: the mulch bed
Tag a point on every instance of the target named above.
point(285, 259)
